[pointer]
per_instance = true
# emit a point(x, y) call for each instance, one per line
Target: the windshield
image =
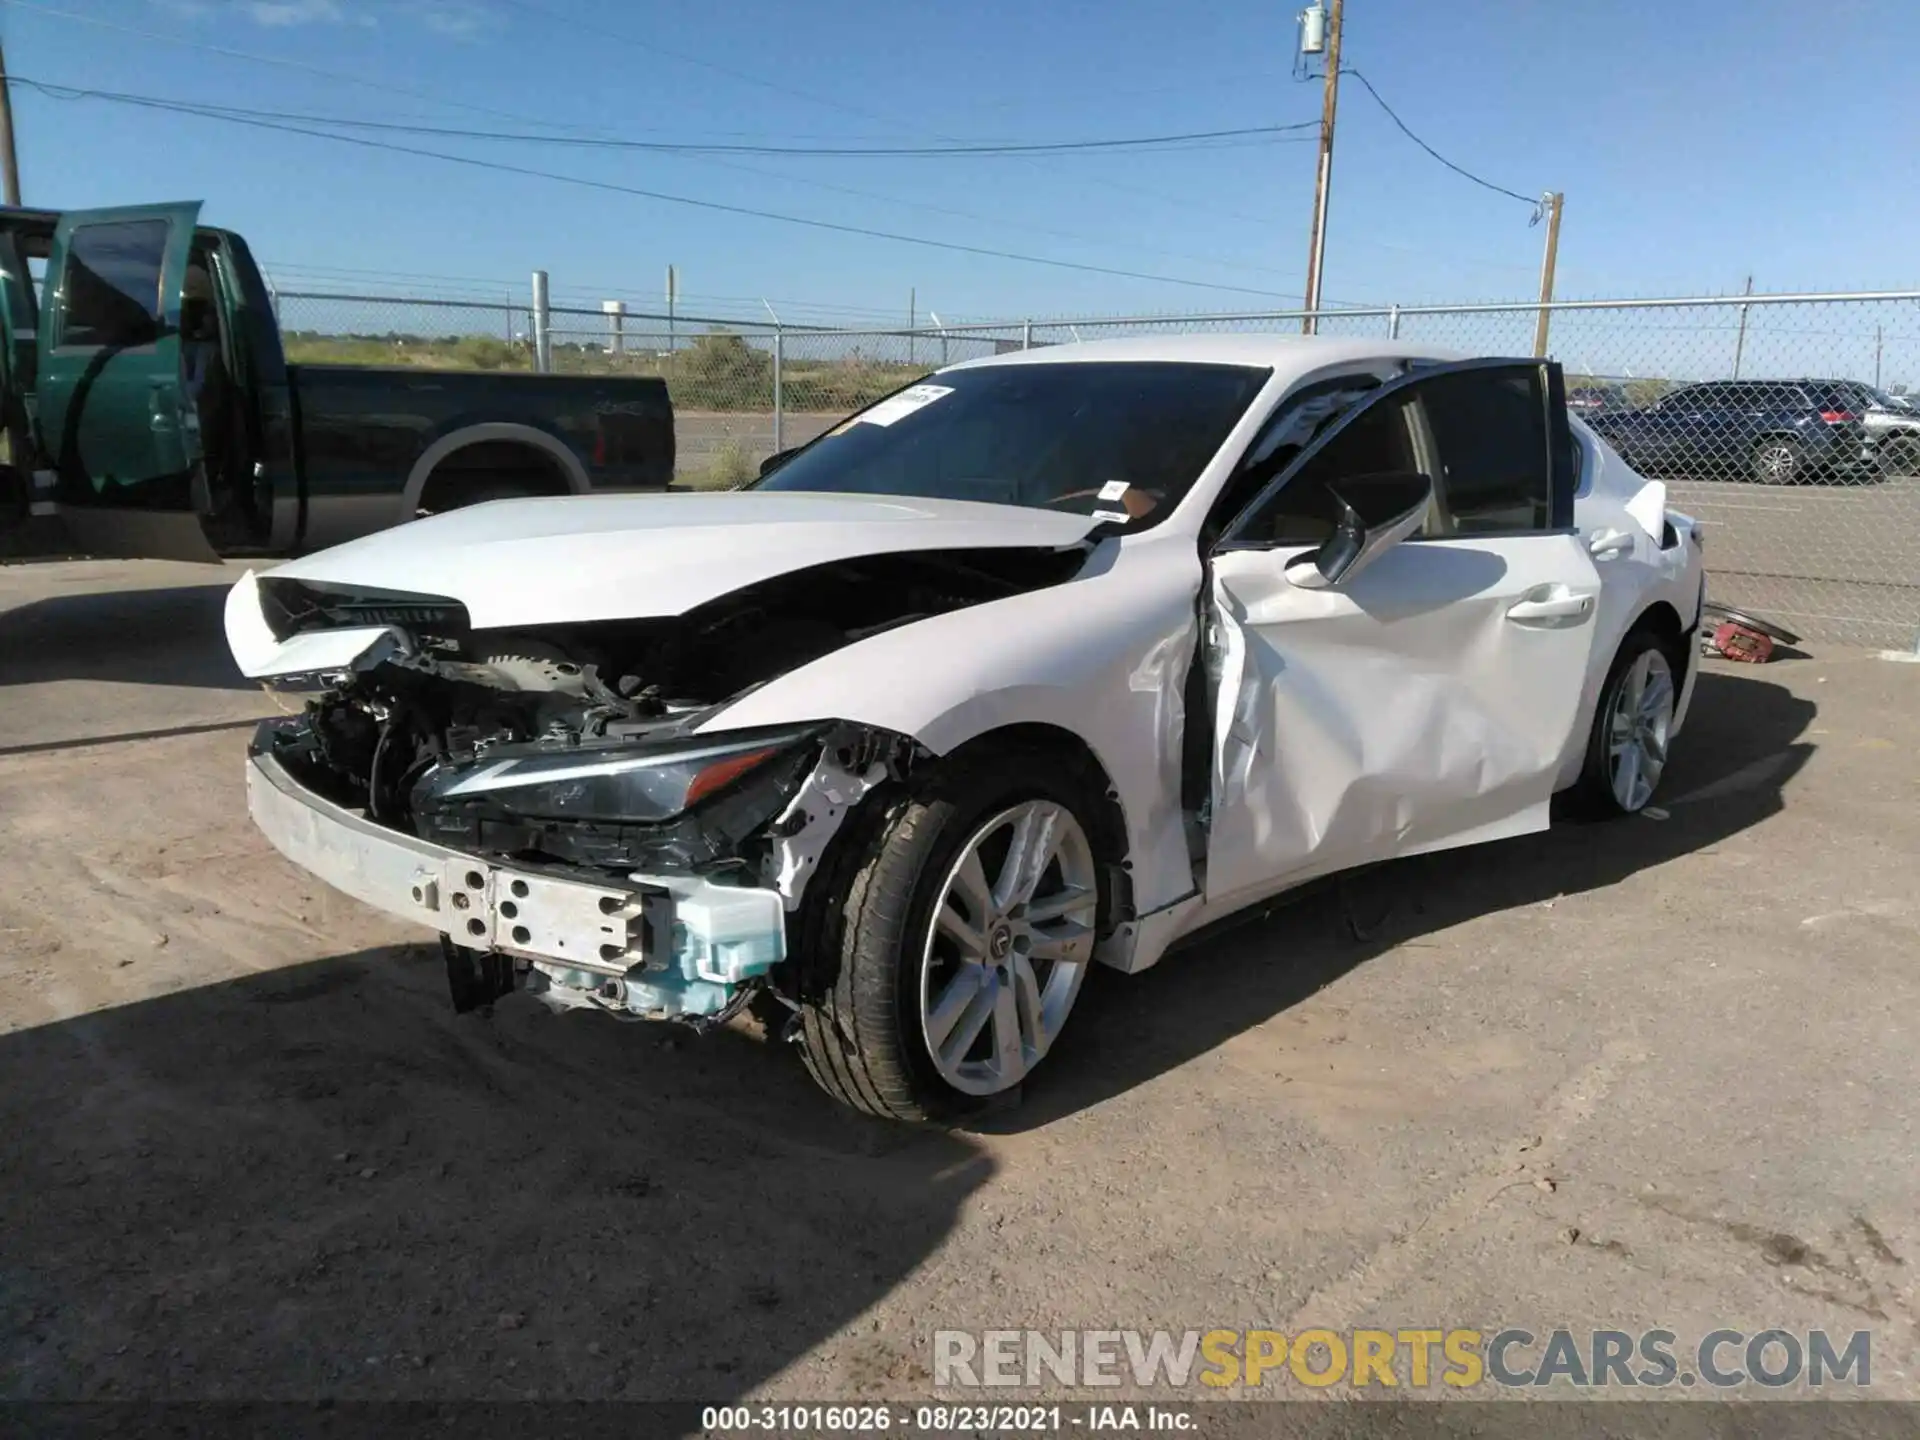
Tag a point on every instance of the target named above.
point(1120, 439)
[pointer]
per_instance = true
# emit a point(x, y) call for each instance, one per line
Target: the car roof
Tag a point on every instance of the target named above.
point(1288, 356)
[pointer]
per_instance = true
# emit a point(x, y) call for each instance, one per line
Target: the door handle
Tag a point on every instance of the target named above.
point(1609, 544)
point(1550, 605)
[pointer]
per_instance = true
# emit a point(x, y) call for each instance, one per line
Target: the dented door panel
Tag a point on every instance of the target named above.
point(1424, 705)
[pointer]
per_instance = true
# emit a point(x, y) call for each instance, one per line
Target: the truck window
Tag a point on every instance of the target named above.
point(112, 284)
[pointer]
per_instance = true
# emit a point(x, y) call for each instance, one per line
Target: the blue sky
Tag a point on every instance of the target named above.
point(1696, 141)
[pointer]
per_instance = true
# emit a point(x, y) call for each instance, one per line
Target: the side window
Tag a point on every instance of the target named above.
point(1377, 442)
point(1495, 473)
point(1296, 422)
point(112, 284)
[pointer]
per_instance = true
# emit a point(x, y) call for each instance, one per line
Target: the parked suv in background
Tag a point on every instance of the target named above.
point(1893, 425)
point(1771, 431)
point(1583, 400)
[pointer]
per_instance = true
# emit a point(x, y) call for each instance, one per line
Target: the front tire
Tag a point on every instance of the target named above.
point(958, 947)
point(1632, 726)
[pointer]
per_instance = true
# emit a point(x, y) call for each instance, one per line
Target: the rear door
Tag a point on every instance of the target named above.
point(113, 414)
point(1426, 701)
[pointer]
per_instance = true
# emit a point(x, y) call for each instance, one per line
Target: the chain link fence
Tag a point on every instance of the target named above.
point(1779, 421)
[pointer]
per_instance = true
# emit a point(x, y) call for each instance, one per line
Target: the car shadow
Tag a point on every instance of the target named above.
point(168, 636)
point(1743, 744)
point(320, 1182)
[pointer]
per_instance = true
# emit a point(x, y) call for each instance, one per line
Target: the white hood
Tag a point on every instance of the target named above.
point(617, 557)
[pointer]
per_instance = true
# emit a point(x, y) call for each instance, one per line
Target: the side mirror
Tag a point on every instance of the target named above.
point(1372, 514)
point(774, 461)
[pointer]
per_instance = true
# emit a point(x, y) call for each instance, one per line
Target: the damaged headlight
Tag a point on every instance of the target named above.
point(610, 783)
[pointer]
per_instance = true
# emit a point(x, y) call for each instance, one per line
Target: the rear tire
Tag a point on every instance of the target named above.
point(889, 953)
point(1776, 461)
point(1632, 726)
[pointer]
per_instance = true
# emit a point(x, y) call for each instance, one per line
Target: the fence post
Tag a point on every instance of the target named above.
point(1026, 335)
point(779, 390)
point(1393, 323)
point(542, 322)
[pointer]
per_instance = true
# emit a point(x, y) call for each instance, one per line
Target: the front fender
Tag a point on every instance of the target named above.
point(1103, 656)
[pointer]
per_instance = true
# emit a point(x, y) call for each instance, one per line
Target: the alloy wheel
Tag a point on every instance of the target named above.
point(1637, 729)
point(1011, 939)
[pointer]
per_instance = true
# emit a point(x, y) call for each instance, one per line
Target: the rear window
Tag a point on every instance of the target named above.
point(1843, 396)
point(112, 284)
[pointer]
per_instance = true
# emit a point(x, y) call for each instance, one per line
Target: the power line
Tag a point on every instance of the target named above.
point(431, 99)
point(258, 59)
point(863, 112)
point(704, 147)
point(1531, 201)
point(501, 167)
point(268, 119)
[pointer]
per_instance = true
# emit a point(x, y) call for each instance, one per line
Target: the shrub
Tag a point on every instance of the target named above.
point(720, 371)
point(729, 469)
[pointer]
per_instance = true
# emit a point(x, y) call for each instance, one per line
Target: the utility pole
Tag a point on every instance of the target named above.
point(1323, 178)
point(8, 158)
point(1740, 340)
point(1553, 200)
point(673, 298)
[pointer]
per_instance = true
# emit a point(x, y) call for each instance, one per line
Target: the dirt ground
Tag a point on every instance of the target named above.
point(251, 1152)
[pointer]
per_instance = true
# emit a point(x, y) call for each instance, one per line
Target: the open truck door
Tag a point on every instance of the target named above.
point(116, 416)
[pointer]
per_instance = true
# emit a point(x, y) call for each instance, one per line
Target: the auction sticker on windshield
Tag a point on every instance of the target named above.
point(895, 407)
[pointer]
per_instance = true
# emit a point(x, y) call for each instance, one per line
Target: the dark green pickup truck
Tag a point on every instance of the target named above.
point(147, 401)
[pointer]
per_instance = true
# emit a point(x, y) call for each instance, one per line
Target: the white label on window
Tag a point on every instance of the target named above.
point(1118, 517)
point(913, 398)
point(1113, 489)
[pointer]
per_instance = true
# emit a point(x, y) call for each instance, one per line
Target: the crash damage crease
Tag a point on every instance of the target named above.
point(566, 762)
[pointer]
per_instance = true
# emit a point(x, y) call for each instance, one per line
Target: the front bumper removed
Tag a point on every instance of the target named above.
point(659, 945)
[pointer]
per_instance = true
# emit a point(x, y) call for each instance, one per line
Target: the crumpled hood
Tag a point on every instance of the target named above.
point(611, 557)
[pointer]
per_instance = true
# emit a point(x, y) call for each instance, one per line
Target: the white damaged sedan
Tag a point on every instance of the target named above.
point(1044, 662)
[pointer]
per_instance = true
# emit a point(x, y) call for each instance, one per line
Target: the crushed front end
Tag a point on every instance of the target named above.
point(546, 799)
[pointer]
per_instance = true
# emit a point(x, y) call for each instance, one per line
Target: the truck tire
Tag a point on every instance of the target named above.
point(912, 948)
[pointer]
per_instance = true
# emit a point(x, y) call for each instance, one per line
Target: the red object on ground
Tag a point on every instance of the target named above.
point(1738, 642)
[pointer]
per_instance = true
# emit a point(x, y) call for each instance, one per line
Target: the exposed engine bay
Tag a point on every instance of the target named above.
point(572, 751)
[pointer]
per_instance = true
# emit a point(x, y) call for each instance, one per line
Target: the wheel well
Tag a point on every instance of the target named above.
point(1663, 620)
point(531, 470)
point(1108, 820)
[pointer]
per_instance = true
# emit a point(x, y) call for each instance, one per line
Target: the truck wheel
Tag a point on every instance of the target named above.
point(960, 943)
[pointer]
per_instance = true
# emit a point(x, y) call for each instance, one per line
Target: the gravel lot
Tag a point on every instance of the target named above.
point(251, 1152)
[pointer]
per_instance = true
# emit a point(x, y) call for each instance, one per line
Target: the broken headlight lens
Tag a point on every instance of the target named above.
point(611, 783)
